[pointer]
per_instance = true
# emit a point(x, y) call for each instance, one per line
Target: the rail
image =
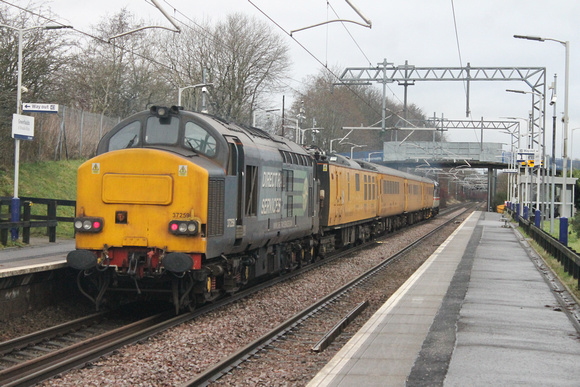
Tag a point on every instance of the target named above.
point(567, 257)
point(29, 220)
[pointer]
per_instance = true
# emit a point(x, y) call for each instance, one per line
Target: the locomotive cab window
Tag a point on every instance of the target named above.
point(198, 139)
point(127, 137)
point(162, 130)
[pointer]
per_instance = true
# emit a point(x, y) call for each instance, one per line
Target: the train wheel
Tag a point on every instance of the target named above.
point(192, 304)
point(175, 294)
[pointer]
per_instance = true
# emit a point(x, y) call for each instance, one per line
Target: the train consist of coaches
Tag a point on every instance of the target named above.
point(188, 207)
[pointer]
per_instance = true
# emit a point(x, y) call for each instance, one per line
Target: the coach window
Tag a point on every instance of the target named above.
point(162, 130)
point(366, 189)
point(348, 182)
point(127, 137)
point(198, 139)
point(357, 182)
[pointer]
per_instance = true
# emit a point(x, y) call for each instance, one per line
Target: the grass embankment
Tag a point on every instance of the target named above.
point(49, 180)
point(573, 242)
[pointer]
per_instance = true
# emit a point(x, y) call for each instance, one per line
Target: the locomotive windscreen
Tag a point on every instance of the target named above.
point(162, 130)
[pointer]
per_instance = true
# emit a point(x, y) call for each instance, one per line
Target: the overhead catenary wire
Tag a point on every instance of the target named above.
point(460, 58)
point(209, 34)
point(323, 64)
point(89, 35)
point(200, 29)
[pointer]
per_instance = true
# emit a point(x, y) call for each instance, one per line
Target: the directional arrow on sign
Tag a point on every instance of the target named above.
point(40, 108)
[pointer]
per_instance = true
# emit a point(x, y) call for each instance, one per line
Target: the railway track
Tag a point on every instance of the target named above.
point(303, 322)
point(42, 355)
point(32, 358)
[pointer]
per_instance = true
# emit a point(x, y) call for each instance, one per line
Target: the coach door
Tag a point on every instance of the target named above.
point(236, 174)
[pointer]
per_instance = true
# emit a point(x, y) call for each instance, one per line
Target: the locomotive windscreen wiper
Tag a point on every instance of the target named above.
point(130, 144)
point(190, 145)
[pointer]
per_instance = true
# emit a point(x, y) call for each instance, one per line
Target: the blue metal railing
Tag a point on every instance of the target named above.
point(28, 221)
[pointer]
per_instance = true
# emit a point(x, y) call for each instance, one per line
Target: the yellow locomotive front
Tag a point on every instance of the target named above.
point(137, 208)
point(144, 208)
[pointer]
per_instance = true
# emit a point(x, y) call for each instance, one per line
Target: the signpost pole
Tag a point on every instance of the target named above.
point(15, 209)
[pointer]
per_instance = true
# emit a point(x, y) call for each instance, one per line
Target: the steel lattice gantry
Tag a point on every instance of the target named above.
point(406, 75)
point(534, 77)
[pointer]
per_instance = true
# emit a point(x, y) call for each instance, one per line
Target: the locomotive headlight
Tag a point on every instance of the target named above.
point(88, 224)
point(180, 227)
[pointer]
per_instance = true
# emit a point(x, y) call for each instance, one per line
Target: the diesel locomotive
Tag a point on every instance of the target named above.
point(187, 207)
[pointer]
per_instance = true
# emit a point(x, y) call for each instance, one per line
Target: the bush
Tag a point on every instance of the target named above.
point(575, 223)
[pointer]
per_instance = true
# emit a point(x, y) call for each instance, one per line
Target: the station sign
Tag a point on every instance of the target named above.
point(510, 171)
point(40, 108)
point(22, 127)
point(526, 152)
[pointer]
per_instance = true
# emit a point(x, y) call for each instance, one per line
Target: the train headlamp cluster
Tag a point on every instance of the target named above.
point(88, 224)
point(184, 227)
point(162, 111)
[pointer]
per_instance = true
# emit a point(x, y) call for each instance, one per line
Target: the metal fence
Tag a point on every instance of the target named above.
point(29, 220)
point(72, 133)
point(567, 257)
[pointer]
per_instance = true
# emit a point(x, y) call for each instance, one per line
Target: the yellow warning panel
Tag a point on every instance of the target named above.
point(137, 189)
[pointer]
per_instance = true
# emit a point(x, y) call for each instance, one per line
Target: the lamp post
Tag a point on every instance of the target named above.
point(268, 111)
point(540, 185)
point(180, 90)
point(352, 149)
point(333, 140)
point(15, 211)
point(521, 191)
point(302, 131)
point(566, 45)
point(512, 161)
point(553, 100)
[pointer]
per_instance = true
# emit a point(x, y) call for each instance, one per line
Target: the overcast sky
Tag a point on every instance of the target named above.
point(420, 31)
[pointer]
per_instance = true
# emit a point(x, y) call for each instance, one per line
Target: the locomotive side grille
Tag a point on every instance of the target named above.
point(215, 210)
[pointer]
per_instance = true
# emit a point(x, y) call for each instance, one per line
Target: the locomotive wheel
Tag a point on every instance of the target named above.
point(192, 301)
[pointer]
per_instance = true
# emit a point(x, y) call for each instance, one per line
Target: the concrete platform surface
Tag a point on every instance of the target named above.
point(40, 255)
point(477, 313)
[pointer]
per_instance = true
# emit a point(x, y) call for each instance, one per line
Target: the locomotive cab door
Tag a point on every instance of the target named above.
point(236, 172)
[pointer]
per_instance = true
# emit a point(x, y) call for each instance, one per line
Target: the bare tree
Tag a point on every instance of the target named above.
point(116, 78)
point(334, 106)
point(244, 60)
point(44, 52)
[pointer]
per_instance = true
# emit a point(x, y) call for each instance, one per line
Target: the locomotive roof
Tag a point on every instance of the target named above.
point(255, 135)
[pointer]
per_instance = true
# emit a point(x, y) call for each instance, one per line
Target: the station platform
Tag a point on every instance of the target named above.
point(39, 256)
point(478, 312)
